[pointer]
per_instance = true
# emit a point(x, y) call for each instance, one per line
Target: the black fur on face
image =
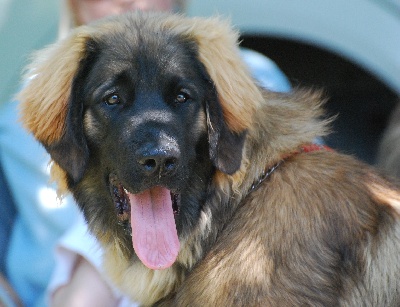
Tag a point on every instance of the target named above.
point(143, 112)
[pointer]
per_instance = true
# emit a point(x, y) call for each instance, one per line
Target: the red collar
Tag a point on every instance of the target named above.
point(314, 147)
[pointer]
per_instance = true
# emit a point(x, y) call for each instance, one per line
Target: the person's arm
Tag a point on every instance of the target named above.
point(8, 297)
point(85, 288)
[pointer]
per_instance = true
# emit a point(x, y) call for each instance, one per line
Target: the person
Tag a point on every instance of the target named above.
point(78, 12)
point(74, 277)
point(388, 157)
point(39, 220)
point(7, 213)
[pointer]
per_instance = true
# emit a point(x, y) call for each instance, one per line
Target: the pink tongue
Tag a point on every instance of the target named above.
point(154, 234)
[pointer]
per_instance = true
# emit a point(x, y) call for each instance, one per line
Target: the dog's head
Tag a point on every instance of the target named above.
point(138, 112)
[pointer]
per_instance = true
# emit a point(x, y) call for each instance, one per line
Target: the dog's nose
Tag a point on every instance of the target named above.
point(158, 161)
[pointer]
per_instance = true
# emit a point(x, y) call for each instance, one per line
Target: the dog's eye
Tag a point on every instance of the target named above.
point(182, 97)
point(112, 99)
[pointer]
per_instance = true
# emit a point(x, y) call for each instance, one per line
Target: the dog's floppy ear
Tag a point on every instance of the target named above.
point(71, 152)
point(230, 114)
point(225, 146)
point(218, 50)
point(49, 111)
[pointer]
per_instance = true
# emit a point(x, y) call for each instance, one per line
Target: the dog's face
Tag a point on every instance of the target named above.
point(144, 122)
point(145, 129)
point(143, 114)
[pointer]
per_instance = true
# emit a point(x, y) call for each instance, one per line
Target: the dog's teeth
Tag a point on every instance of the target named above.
point(126, 191)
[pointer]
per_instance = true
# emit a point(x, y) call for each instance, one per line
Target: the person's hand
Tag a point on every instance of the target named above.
point(86, 288)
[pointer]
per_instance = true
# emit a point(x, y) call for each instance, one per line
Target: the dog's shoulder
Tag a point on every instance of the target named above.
point(308, 226)
point(337, 185)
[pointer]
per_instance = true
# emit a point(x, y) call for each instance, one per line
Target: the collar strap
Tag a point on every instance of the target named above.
point(268, 171)
point(265, 174)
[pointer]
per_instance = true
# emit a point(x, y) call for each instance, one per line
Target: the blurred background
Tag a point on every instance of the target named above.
point(350, 49)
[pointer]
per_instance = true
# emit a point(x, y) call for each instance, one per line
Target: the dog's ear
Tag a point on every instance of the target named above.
point(48, 109)
point(236, 97)
point(218, 50)
point(230, 113)
point(71, 151)
point(225, 146)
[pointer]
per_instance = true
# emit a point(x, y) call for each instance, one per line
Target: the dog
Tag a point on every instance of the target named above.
point(202, 188)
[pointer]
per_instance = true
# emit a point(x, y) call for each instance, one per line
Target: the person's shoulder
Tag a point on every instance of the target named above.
point(265, 71)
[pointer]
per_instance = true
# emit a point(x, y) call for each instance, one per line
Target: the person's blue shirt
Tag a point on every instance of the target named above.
point(40, 218)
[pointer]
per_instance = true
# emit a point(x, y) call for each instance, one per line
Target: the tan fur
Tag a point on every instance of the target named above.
point(46, 96)
point(58, 176)
point(241, 252)
point(147, 286)
point(385, 195)
point(273, 246)
point(238, 93)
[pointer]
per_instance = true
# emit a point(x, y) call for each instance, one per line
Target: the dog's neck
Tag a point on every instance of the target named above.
point(270, 169)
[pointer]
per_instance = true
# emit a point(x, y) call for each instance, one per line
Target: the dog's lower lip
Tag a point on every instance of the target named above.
point(121, 201)
point(176, 199)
